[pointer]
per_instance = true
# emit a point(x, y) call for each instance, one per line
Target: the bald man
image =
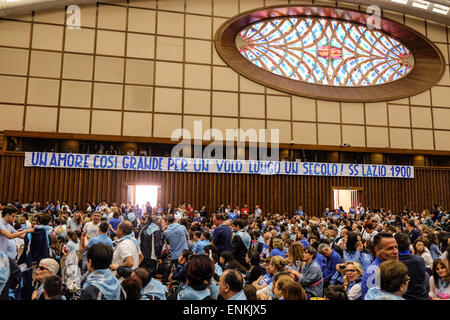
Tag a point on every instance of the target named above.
point(126, 253)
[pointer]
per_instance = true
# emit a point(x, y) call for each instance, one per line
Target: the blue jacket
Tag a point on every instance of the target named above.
point(176, 235)
point(199, 245)
point(368, 279)
point(330, 265)
point(364, 259)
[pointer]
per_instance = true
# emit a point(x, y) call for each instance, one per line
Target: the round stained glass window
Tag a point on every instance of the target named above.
point(329, 53)
point(324, 51)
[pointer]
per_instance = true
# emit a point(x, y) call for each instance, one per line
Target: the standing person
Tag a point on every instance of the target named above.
point(100, 283)
point(75, 223)
point(151, 243)
point(126, 253)
point(258, 212)
point(177, 238)
point(244, 212)
point(413, 233)
point(416, 269)
point(114, 223)
point(7, 232)
point(394, 281)
point(241, 242)
point(91, 227)
point(440, 281)
point(386, 248)
point(10, 275)
point(222, 234)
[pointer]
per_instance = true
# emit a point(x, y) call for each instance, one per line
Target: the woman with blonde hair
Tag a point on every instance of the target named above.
point(279, 284)
point(352, 280)
point(278, 248)
point(274, 265)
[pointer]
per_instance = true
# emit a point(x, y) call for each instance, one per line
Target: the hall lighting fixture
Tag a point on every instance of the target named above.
point(400, 1)
point(421, 4)
point(12, 0)
point(440, 9)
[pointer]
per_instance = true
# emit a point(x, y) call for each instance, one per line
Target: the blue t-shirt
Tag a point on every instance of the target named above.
point(267, 278)
point(277, 252)
point(101, 238)
point(300, 213)
point(114, 222)
point(222, 238)
point(199, 245)
point(232, 215)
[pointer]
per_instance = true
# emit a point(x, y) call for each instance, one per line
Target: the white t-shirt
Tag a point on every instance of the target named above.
point(91, 229)
point(125, 249)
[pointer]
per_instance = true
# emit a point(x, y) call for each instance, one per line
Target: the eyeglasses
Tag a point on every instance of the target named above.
point(42, 268)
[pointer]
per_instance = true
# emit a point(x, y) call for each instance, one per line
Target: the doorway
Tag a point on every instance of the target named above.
point(140, 194)
point(346, 197)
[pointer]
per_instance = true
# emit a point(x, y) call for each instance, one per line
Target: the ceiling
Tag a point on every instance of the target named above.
point(433, 10)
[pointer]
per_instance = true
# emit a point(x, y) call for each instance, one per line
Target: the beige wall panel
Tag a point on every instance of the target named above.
point(197, 102)
point(421, 117)
point(138, 98)
point(188, 124)
point(440, 96)
point(198, 51)
point(11, 117)
point(139, 71)
point(423, 139)
point(34, 119)
point(107, 96)
point(252, 105)
point(198, 27)
point(422, 99)
point(112, 17)
point(76, 94)
point(399, 116)
point(304, 133)
point(329, 134)
point(250, 5)
point(376, 113)
point(168, 100)
point(377, 137)
point(164, 125)
point(141, 20)
point(13, 61)
point(13, 89)
point(169, 48)
point(50, 16)
point(106, 122)
point(111, 43)
point(225, 79)
point(43, 91)
point(328, 111)
point(16, 34)
point(78, 66)
point(170, 23)
point(400, 138)
point(169, 74)
point(225, 104)
point(249, 86)
point(197, 76)
point(278, 108)
point(284, 131)
point(441, 118)
point(354, 136)
point(436, 32)
point(303, 109)
point(442, 140)
point(222, 124)
point(416, 23)
point(74, 121)
point(172, 5)
point(137, 124)
point(140, 46)
point(109, 69)
point(226, 8)
point(80, 40)
point(198, 6)
point(352, 113)
point(47, 37)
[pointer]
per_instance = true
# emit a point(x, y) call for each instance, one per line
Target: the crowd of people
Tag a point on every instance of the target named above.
point(107, 251)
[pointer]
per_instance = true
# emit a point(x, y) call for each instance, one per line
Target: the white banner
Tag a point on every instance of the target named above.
point(112, 162)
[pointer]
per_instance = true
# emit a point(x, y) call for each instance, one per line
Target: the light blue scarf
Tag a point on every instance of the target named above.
point(131, 217)
point(154, 288)
point(4, 270)
point(245, 237)
point(104, 280)
point(152, 228)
